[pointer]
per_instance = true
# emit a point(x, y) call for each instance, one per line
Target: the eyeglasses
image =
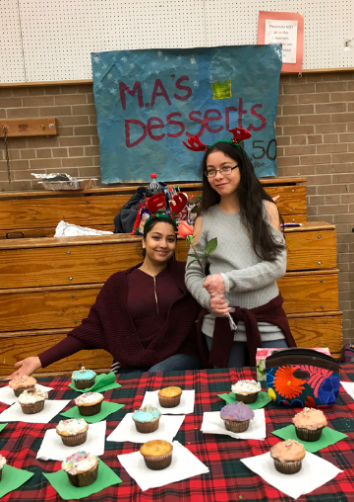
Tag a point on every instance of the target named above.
point(224, 170)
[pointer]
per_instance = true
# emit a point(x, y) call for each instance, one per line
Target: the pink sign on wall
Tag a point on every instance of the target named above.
point(287, 29)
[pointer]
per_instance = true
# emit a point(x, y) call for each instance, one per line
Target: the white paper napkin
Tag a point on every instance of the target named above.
point(184, 465)
point(7, 395)
point(126, 430)
point(51, 408)
point(349, 388)
point(315, 472)
point(53, 448)
point(213, 424)
point(185, 406)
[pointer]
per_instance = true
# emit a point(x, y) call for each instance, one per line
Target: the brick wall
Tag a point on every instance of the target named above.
point(315, 135)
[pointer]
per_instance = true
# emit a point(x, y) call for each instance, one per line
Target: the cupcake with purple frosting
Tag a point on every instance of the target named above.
point(236, 417)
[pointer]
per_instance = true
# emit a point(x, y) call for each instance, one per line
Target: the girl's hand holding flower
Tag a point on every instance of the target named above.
point(219, 305)
point(214, 284)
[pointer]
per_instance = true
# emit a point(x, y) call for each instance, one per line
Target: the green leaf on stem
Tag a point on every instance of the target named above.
point(211, 246)
point(200, 256)
point(190, 263)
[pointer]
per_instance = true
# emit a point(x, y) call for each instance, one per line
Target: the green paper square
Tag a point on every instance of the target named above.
point(329, 436)
point(12, 478)
point(262, 399)
point(2, 426)
point(107, 408)
point(103, 382)
point(60, 482)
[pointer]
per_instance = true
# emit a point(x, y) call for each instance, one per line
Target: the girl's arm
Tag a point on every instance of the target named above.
point(64, 348)
point(194, 277)
point(91, 328)
point(265, 272)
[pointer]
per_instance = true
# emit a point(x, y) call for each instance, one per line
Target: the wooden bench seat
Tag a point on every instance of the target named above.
point(26, 263)
point(38, 213)
point(66, 306)
point(47, 285)
point(50, 284)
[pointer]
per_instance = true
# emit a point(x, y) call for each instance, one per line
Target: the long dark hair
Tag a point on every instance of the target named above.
point(250, 194)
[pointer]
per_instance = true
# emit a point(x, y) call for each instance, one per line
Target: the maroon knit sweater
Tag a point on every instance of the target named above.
point(109, 325)
point(271, 312)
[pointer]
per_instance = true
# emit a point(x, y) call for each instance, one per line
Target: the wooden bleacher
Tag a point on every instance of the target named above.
point(47, 285)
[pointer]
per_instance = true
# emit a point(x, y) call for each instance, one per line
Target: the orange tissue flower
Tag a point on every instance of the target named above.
point(286, 384)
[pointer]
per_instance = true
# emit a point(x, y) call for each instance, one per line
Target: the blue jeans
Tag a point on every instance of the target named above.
point(239, 350)
point(177, 362)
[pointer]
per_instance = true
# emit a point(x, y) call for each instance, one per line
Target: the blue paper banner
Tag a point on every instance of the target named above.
point(148, 101)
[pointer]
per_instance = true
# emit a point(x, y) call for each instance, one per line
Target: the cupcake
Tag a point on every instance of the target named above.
point(246, 390)
point(2, 464)
point(169, 397)
point(288, 456)
point(18, 385)
point(81, 468)
point(32, 401)
point(236, 417)
point(89, 403)
point(73, 432)
point(83, 378)
point(157, 454)
point(309, 424)
point(146, 419)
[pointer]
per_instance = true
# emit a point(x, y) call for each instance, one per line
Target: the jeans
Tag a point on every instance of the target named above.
point(239, 351)
point(177, 362)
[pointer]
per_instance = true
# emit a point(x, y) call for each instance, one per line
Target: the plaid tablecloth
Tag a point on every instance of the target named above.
point(228, 480)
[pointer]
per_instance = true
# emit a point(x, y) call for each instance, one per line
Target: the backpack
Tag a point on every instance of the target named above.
point(125, 219)
point(347, 354)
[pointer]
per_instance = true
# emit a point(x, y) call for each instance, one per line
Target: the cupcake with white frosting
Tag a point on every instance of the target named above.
point(89, 403)
point(81, 468)
point(246, 390)
point(73, 431)
point(2, 464)
point(32, 401)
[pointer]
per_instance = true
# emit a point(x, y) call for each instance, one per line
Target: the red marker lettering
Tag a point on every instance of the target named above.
point(136, 88)
point(175, 122)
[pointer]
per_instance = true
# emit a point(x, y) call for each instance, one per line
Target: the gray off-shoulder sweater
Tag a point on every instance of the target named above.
point(249, 281)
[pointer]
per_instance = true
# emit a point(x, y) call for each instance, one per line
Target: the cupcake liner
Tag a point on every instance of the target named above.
point(19, 391)
point(84, 478)
point(84, 384)
point(147, 427)
point(235, 426)
point(169, 402)
point(158, 463)
point(247, 398)
point(287, 467)
point(76, 440)
point(88, 411)
point(308, 435)
point(31, 408)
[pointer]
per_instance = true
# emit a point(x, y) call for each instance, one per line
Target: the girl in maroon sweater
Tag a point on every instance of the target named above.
point(143, 316)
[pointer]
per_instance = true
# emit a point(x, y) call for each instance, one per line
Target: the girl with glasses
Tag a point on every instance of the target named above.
point(250, 257)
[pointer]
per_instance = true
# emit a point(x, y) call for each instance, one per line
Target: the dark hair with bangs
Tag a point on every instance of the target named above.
point(151, 222)
point(250, 194)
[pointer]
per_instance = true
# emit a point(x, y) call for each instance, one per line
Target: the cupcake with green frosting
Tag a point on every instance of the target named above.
point(83, 379)
point(146, 419)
